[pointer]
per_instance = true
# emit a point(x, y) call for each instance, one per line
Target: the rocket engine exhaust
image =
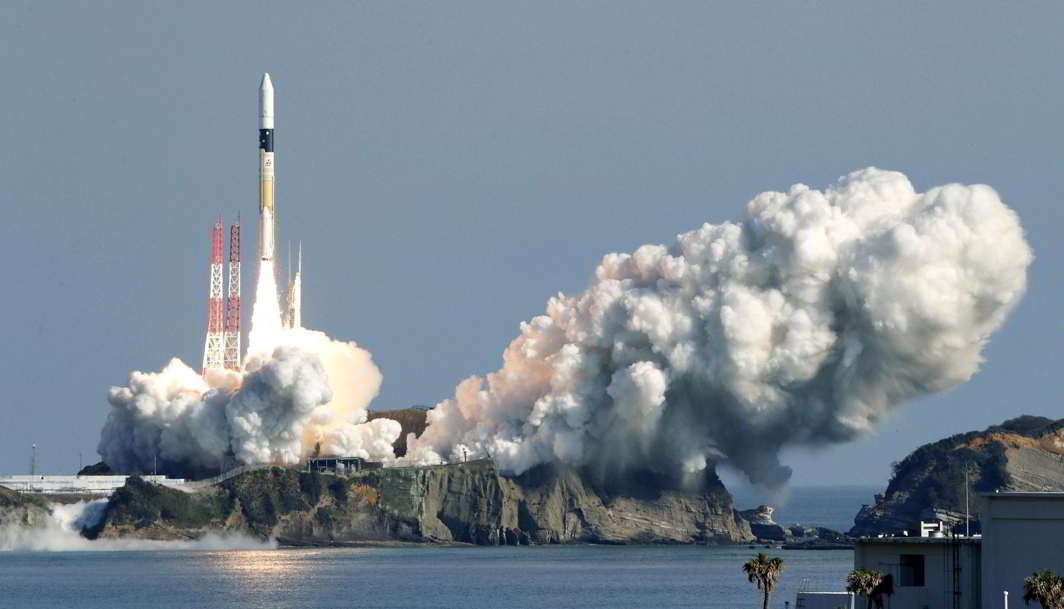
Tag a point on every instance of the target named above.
point(803, 324)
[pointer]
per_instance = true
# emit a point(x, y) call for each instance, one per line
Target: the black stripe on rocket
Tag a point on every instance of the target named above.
point(266, 140)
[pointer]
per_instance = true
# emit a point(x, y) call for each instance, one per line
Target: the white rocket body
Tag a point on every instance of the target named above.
point(267, 212)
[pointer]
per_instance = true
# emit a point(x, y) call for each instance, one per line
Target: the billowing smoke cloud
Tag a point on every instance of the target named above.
point(300, 393)
point(801, 325)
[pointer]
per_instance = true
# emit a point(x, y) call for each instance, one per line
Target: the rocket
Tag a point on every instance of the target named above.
point(267, 220)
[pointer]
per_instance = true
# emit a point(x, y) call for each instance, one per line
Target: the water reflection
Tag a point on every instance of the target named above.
point(257, 571)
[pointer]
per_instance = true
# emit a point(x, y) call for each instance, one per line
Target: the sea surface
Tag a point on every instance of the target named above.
point(418, 577)
point(823, 506)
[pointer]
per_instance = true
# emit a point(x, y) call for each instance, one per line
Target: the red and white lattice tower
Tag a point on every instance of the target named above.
point(232, 303)
point(212, 349)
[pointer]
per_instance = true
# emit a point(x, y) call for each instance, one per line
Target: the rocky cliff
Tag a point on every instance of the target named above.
point(17, 510)
point(469, 502)
point(1021, 454)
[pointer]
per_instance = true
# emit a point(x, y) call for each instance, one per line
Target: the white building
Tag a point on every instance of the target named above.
point(1022, 533)
point(101, 486)
point(824, 600)
point(933, 572)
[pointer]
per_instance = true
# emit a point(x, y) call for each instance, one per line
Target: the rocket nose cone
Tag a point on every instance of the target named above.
point(266, 103)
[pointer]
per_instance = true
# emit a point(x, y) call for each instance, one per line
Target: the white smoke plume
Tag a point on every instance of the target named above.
point(266, 323)
point(300, 393)
point(61, 532)
point(803, 324)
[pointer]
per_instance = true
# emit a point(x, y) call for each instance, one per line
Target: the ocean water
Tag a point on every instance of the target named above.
point(553, 577)
point(824, 506)
point(75, 573)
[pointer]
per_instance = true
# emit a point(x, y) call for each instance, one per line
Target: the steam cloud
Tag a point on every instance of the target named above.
point(300, 391)
point(804, 324)
point(61, 532)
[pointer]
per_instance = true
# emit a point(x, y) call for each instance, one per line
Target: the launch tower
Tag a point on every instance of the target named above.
point(213, 348)
point(232, 303)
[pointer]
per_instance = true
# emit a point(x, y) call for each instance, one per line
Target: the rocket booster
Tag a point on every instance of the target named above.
point(267, 228)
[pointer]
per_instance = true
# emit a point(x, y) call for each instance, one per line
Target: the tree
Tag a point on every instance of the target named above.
point(1046, 588)
point(874, 585)
point(763, 571)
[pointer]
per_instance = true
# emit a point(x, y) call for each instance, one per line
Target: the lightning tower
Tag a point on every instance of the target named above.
point(231, 356)
point(212, 348)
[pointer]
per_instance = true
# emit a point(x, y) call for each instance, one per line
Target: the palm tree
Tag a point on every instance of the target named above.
point(1044, 587)
point(874, 585)
point(763, 571)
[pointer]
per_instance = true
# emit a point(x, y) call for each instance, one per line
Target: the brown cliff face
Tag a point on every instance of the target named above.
point(469, 503)
point(1021, 454)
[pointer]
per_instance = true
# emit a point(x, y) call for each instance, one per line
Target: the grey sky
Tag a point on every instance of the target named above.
point(449, 166)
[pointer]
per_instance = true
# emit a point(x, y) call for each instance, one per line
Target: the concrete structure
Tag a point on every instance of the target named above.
point(79, 485)
point(935, 572)
point(824, 600)
point(1022, 533)
point(341, 465)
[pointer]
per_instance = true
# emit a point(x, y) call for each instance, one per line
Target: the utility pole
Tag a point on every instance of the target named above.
point(33, 460)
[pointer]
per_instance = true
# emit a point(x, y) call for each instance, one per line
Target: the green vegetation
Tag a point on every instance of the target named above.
point(763, 571)
point(140, 504)
point(260, 498)
point(1046, 588)
point(874, 585)
point(466, 502)
point(266, 495)
point(933, 474)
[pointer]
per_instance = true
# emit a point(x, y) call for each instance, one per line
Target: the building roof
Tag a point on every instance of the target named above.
point(974, 539)
point(1025, 495)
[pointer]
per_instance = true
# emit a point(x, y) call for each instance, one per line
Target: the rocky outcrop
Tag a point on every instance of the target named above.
point(18, 510)
point(762, 525)
point(468, 502)
point(795, 537)
point(1021, 454)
